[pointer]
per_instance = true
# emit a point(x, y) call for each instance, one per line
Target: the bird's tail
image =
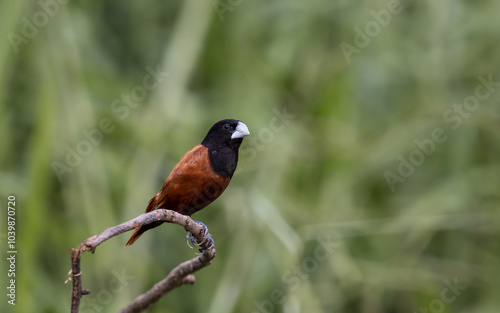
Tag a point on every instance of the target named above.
point(137, 233)
point(139, 230)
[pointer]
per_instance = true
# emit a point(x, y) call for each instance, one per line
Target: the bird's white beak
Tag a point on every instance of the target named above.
point(241, 131)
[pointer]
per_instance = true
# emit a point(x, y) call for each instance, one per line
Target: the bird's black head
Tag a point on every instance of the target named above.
point(223, 141)
point(226, 133)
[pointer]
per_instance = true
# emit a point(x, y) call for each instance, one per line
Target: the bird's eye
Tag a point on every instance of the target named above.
point(226, 126)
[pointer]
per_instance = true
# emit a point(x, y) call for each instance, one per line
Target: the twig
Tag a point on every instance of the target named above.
point(177, 277)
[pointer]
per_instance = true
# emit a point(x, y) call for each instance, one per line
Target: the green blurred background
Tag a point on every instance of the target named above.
point(370, 181)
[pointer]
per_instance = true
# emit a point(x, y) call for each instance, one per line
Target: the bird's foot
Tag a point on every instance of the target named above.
point(191, 240)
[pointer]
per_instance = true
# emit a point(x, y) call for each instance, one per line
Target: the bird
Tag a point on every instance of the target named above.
point(201, 175)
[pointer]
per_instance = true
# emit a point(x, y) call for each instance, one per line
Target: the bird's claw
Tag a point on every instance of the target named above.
point(191, 240)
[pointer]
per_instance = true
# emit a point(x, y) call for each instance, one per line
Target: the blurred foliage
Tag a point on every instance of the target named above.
point(339, 96)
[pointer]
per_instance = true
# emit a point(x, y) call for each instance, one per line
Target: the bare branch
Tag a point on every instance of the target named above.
point(177, 277)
